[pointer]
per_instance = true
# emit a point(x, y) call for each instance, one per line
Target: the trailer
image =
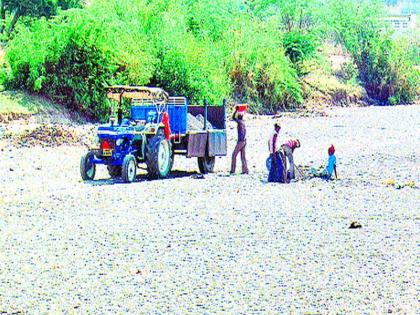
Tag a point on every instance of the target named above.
point(158, 128)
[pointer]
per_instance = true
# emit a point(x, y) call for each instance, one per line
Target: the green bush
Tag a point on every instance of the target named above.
point(71, 58)
point(260, 72)
point(256, 51)
point(192, 72)
point(348, 72)
point(392, 100)
point(186, 47)
point(386, 67)
point(299, 46)
point(268, 85)
point(189, 63)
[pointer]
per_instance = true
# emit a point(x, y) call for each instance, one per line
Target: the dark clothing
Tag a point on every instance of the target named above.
point(277, 170)
point(241, 129)
point(240, 147)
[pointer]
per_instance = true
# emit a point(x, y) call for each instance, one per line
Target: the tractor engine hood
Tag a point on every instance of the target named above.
point(108, 129)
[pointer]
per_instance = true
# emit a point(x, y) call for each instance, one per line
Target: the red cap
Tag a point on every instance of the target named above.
point(331, 150)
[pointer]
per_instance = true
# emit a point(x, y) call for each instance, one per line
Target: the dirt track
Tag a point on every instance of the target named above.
point(220, 244)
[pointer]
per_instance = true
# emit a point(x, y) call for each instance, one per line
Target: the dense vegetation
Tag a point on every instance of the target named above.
point(17, 9)
point(251, 51)
point(386, 66)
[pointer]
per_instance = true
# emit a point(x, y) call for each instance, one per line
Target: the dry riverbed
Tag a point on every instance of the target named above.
point(222, 244)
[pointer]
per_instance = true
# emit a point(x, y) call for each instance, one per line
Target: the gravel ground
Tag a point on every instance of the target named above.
point(222, 244)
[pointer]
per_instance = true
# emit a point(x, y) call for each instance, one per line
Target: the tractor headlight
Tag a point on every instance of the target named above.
point(119, 142)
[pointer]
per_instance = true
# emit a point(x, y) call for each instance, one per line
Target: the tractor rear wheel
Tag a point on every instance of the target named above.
point(158, 157)
point(87, 167)
point(206, 164)
point(129, 168)
point(114, 171)
point(172, 160)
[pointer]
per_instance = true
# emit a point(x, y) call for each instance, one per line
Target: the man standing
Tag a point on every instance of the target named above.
point(288, 148)
point(272, 142)
point(241, 143)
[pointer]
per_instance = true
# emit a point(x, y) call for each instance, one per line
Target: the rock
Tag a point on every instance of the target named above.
point(200, 118)
point(410, 184)
point(197, 122)
point(193, 123)
point(389, 182)
point(48, 135)
point(355, 225)
point(197, 176)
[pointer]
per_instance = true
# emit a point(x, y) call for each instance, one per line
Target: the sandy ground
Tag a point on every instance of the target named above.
point(235, 245)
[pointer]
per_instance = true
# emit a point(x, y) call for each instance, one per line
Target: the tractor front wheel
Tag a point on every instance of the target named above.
point(206, 164)
point(129, 168)
point(87, 166)
point(158, 157)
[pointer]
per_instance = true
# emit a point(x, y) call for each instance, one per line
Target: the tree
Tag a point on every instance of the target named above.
point(297, 15)
point(387, 72)
point(32, 8)
point(68, 4)
point(19, 8)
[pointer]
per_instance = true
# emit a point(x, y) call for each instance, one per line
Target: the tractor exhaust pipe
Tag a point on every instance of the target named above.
point(224, 113)
point(119, 121)
point(206, 104)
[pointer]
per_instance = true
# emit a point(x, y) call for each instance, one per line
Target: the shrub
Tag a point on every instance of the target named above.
point(188, 64)
point(299, 46)
point(201, 49)
point(348, 72)
point(73, 57)
point(259, 70)
point(386, 67)
point(268, 86)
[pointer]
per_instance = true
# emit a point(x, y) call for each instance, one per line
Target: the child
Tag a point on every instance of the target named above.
point(330, 168)
point(331, 165)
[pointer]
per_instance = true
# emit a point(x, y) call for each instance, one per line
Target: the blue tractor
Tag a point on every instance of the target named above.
point(158, 129)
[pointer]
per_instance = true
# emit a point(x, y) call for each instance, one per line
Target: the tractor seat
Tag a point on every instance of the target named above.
point(139, 128)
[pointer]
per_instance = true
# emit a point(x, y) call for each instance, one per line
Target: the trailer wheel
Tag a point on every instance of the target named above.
point(87, 167)
point(158, 157)
point(129, 169)
point(114, 171)
point(206, 164)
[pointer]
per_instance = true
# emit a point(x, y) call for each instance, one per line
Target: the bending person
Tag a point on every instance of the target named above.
point(288, 148)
